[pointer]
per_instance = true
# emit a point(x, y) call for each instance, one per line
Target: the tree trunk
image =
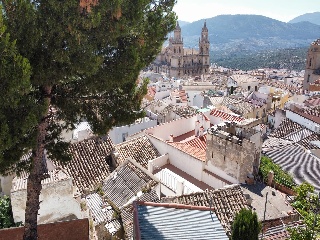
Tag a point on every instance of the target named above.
point(36, 176)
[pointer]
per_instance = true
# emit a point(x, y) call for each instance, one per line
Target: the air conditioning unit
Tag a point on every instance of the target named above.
point(317, 128)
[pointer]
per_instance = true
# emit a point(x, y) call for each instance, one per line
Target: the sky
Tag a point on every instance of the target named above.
point(282, 10)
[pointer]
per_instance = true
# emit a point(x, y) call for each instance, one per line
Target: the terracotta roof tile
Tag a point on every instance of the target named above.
point(226, 116)
point(89, 166)
point(225, 202)
point(140, 149)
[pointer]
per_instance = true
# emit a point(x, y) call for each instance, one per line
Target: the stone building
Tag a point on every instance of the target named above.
point(235, 148)
point(178, 61)
point(312, 71)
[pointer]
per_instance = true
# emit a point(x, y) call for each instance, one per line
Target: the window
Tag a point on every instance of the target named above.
point(249, 88)
point(310, 62)
point(308, 79)
point(124, 136)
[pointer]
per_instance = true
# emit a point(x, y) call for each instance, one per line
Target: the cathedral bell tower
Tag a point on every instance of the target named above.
point(176, 49)
point(312, 70)
point(204, 47)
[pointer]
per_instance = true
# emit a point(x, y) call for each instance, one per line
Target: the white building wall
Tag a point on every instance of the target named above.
point(179, 159)
point(118, 133)
point(162, 94)
point(301, 120)
point(57, 202)
point(177, 128)
point(6, 184)
point(214, 182)
point(198, 100)
point(158, 162)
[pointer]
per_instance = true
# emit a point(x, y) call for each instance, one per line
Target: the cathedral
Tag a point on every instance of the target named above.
point(177, 61)
point(312, 71)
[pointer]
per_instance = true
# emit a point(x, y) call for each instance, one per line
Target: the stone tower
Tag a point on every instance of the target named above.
point(176, 47)
point(312, 71)
point(204, 46)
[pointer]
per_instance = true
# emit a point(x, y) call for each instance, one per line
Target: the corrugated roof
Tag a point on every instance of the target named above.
point(127, 212)
point(226, 202)
point(171, 223)
point(303, 165)
point(125, 182)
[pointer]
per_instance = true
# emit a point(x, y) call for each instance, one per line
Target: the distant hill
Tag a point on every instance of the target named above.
point(243, 35)
point(308, 17)
point(182, 23)
point(293, 59)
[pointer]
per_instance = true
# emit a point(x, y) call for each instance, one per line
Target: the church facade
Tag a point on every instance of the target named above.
point(312, 71)
point(177, 61)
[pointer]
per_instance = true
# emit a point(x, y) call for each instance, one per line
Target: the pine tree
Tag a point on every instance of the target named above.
point(84, 61)
point(245, 226)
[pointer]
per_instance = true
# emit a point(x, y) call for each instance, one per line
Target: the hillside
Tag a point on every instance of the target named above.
point(293, 59)
point(183, 23)
point(232, 33)
point(308, 17)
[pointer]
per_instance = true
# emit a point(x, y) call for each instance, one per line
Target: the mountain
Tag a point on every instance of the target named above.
point(308, 17)
point(233, 36)
point(182, 23)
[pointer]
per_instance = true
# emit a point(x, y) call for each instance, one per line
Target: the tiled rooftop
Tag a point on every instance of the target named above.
point(300, 163)
point(56, 175)
point(89, 166)
point(125, 182)
point(241, 108)
point(195, 147)
point(226, 203)
point(140, 149)
point(274, 143)
point(286, 127)
point(226, 116)
point(280, 232)
point(306, 142)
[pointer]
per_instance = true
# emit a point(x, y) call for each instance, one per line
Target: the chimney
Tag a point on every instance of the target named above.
point(197, 128)
point(201, 130)
point(171, 138)
point(270, 177)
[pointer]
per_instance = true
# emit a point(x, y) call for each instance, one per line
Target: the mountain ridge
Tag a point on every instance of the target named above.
point(307, 17)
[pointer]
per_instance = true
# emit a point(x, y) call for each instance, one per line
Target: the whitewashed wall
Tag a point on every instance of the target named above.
point(116, 132)
point(56, 199)
point(177, 128)
point(179, 159)
point(301, 120)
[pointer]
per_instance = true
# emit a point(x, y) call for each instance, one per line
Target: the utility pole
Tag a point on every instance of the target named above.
point(264, 214)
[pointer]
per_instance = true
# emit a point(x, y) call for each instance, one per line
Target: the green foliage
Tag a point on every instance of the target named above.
point(280, 176)
point(301, 233)
point(6, 218)
point(99, 190)
point(293, 58)
point(90, 61)
point(307, 204)
point(68, 64)
point(245, 226)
